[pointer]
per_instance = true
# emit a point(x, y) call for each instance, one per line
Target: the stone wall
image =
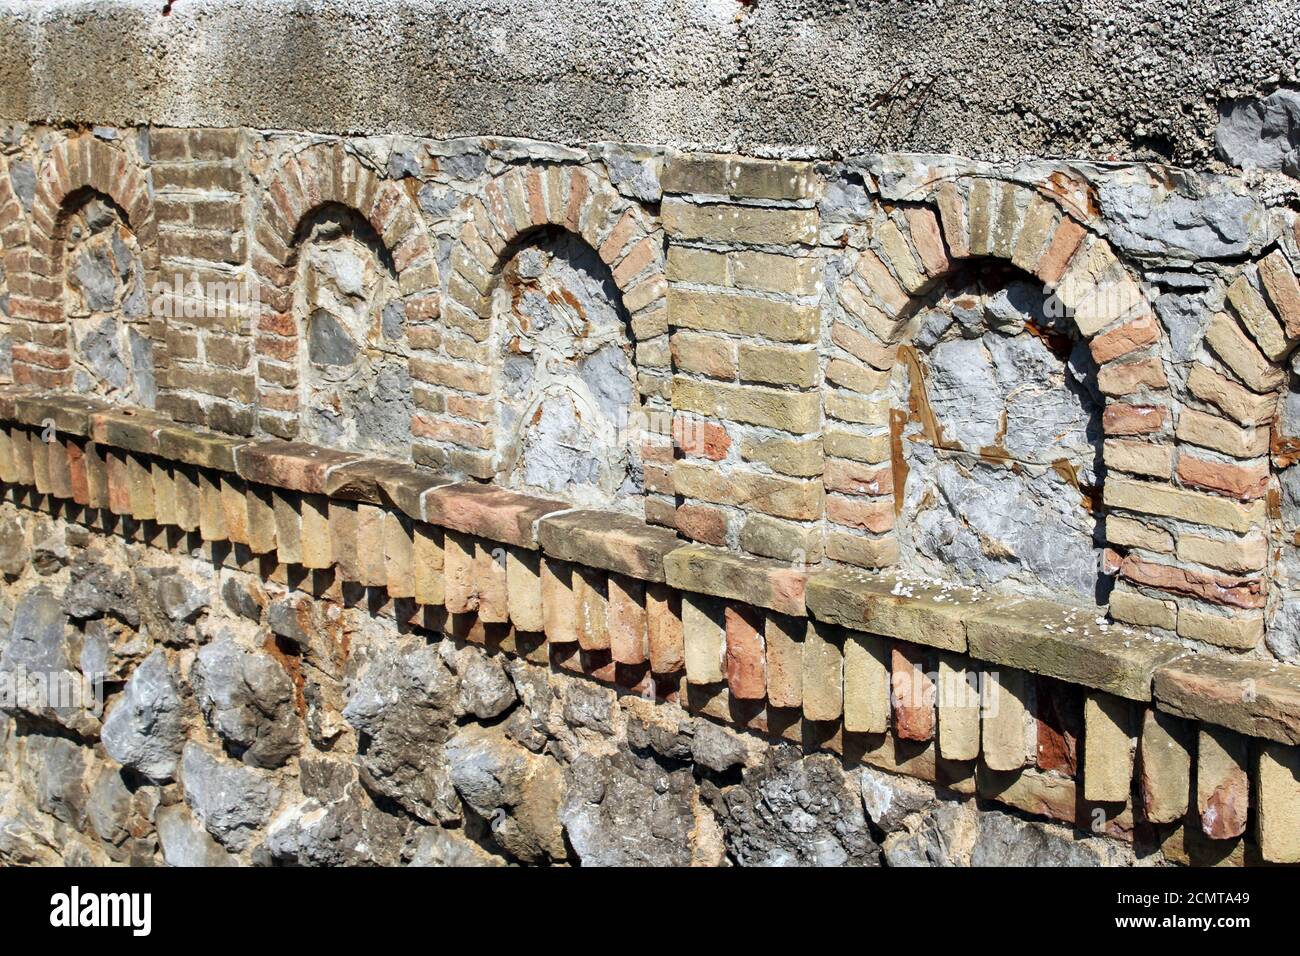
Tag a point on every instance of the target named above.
point(408, 497)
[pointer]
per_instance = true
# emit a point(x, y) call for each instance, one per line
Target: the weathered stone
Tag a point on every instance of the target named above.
point(488, 512)
point(1251, 697)
point(249, 700)
point(186, 843)
point(231, 801)
point(1277, 797)
point(1222, 787)
point(916, 611)
point(145, 729)
point(768, 584)
point(1068, 644)
point(867, 688)
point(1166, 767)
point(1005, 715)
point(611, 541)
point(1107, 748)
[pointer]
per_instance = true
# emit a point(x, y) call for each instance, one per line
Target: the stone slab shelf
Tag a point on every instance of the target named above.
point(1066, 715)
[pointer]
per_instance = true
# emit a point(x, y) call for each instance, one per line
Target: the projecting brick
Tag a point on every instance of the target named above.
point(1107, 748)
point(744, 657)
point(1277, 789)
point(783, 641)
point(524, 589)
point(559, 604)
point(1222, 787)
point(259, 507)
point(702, 631)
point(666, 643)
point(1004, 716)
point(460, 594)
point(867, 690)
point(959, 709)
point(912, 692)
point(490, 583)
point(489, 512)
point(590, 596)
point(372, 572)
point(912, 611)
point(823, 673)
point(627, 620)
point(1166, 767)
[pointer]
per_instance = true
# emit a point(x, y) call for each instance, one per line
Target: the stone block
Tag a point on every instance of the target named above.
point(489, 512)
point(1068, 644)
point(1107, 748)
point(758, 581)
point(823, 672)
point(1004, 717)
point(293, 466)
point(1277, 794)
point(911, 610)
point(959, 709)
point(1165, 748)
point(608, 540)
point(1255, 698)
point(702, 633)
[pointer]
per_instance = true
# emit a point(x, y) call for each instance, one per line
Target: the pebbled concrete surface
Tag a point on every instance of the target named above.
point(1096, 78)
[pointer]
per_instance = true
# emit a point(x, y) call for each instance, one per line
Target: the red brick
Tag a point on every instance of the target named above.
point(627, 620)
point(853, 478)
point(744, 659)
point(913, 694)
point(1248, 593)
point(1239, 481)
point(1056, 258)
point(1127, 338)
point(664, 629)
point(1059, 714)
point(702, 523)
point(875, 516)
point(1123, 419)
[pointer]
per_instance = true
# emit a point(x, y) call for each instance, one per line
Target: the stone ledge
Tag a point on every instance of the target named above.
point(294, 466)
point(770, 584)
point(1255, 698)
point(920, 612)
point(381, 481)
point(1067, 643)
point(610, 541)
point(70, 414)
point(489, 512)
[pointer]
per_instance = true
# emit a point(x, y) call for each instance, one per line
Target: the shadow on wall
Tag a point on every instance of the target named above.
point(997, 440)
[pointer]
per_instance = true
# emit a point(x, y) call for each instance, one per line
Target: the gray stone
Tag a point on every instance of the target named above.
point(38, 667)
point(1184, 318)
point(348, 831)
point(185, 842)
point(249, 700)
point(717, 748)
point(435, 846)
point(60, 767)
point(622, 810)
point(515, 791)
point(1201, 218)
point(1261, 133)
point(14, 553)
point(109, 806)
point(402, 703)
point(633, 173)
point(168, 601)
point(944, 837)
point(230, 800)
point(22, 177)
point(328, 342)
point(403, 163)
point(889, 799)
point(793, 810)
point(145, 729)
point(588, 706)
point(95, 589)
point(485, 690)
point(1004, 840)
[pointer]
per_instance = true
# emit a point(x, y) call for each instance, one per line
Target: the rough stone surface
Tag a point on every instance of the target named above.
point(734, 78)
point(145, 730)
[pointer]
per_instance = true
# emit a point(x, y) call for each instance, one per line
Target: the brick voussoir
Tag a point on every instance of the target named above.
point(1067, 643)
point(1256, 698)
point(489, 512)
point(774, 585)
point(613, 542)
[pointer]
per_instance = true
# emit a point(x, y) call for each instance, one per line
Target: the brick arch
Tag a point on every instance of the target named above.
point(73, 168)
point(457, 374)
point(13, 241)
point(913, 248)
point(317, 177)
